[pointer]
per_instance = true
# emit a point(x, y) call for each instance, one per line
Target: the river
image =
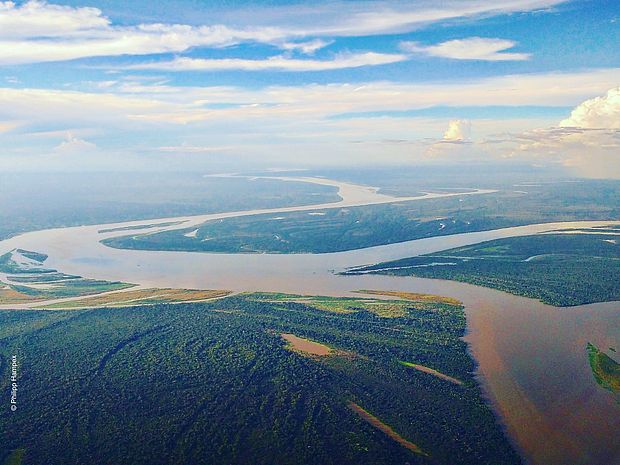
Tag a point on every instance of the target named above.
point(531, 357)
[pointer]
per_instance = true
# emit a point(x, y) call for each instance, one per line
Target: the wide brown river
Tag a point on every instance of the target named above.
point(532, 360)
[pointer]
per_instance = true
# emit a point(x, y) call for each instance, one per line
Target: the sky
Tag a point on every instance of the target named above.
point(113, 84)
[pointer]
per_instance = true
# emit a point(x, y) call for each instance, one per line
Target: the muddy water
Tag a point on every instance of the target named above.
point(532, 358)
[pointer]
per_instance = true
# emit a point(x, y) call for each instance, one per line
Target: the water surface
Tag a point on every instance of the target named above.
point(532, 360)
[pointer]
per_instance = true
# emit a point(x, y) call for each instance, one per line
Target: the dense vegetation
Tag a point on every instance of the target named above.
point(215, 383)
point(30, 281)
point(32, 201)
point(339, 229)
point(559, 269)
point(605, 369)
point(408, 179)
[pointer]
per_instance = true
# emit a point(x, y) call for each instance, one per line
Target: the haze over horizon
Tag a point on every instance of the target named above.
point(283, 232)
point(106, 85)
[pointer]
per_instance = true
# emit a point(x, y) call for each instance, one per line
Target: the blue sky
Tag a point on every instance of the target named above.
point(92, 84)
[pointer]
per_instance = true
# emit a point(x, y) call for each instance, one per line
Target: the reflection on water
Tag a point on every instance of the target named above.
point(532, 357)
point(533, 361)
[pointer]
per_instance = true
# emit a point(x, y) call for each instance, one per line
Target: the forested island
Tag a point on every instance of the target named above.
point(562, 269)
point(147, 384)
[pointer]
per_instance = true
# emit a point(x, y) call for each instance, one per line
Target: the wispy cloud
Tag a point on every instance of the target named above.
point(6, 126)
point(278, 63)
point(307, 47)
point(257, 120)
point(187, 148)
point(471, 48)
point(39, 19)
point(389, 17)
point(139, 40)
point(73, 145)
point(40, 32)
point(118, 103)
point(37, 31)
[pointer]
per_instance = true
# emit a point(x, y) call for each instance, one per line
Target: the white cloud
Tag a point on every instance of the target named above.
point(138, 40)
point(40, 32)
point(588, 142)
point(308, 47)
point(385, 17)
point(37, 31)
point(599, 112)
point(456, 142)
point(40, 19)
point(278, 63)
point(72, 145)
point(459, 130)
point(588, 152)
point(149, 117)
point(471, 48)
point(119, 103)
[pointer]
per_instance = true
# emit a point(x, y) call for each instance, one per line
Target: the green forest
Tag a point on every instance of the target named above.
point(606, 370)
point(558, 269)
point(215, 382)
point(339, 229)
point(33, 201)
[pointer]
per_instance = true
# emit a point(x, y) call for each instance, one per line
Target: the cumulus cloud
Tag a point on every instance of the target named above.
point(459, 130)
point(277, 63)
point(588, 152)
point(588, 141)
point(471, 48)
point(456, 141)
point(212, 116)
point(598, 112)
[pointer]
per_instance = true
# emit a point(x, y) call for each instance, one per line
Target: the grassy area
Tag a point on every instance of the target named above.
point(376, 423)
point(382, 308)
point(214, 382)
point(39, 278)
point(23, 261)
point(605, 369)
point(415, 297)
point(138, 297)
point(11, 294)
point(431, 371)
point(29, 281)
point(339, 229)
point(559, 269)
point(32, 283)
